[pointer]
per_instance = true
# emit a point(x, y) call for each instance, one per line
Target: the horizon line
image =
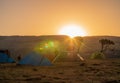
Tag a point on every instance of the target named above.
point(62, 35)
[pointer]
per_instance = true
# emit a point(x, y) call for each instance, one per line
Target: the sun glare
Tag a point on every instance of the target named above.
point(72, 31)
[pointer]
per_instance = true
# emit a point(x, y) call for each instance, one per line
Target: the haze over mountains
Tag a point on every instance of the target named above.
point(22, 45)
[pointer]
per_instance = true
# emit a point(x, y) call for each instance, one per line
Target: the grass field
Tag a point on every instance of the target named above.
point(89, 71)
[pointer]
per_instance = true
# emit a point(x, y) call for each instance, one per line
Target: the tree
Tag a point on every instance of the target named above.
point(78, 43)
point(105, 43)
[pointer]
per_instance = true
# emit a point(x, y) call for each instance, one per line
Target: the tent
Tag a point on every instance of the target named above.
point(35, 59)
point(4, 58)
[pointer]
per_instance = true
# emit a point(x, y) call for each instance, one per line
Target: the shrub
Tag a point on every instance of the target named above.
point(97, 55)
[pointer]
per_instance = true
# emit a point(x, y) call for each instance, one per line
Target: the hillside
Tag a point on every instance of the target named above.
point(22, 45)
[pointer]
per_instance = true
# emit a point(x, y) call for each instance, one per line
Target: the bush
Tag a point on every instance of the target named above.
point(97, 55)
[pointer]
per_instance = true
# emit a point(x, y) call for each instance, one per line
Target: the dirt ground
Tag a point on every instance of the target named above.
point(89, 71)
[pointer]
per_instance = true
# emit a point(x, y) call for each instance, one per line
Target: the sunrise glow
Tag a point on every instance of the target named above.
point(72, 30)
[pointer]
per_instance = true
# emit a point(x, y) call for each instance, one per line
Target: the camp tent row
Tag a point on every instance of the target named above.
point(33, 58)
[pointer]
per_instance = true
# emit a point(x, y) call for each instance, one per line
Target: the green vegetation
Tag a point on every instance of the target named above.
point(97, 55)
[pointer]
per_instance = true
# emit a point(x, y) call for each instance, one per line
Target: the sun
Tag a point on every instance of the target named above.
point(72, 30)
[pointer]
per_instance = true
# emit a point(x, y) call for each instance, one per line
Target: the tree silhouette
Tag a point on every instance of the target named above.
point(78, 43)
point(105, 43)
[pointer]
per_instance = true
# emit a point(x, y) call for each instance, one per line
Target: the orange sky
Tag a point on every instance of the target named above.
point(45, 17)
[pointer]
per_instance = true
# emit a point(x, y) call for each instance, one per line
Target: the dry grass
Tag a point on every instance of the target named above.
point(91, 71)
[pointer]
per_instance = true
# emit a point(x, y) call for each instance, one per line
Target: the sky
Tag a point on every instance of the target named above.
point(45, 17)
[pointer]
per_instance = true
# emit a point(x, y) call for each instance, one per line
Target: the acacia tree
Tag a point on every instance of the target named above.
point(105, 43)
